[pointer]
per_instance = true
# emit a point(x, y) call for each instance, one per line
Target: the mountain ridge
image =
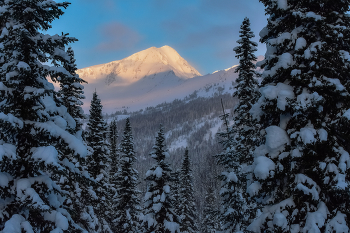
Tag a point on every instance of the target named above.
point(151, 77)
point(141, 64)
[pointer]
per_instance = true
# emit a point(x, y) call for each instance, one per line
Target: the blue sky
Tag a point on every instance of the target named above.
point(204, 32)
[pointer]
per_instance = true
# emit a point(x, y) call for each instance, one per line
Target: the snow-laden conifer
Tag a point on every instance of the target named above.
point(301, 172)
point(96, 139)
point(159, 215)
point(187, 207)
point(175, 190)
point(98, 163)
point(113, 141)
point(71, 91)
point(126, 204)
point(210, 223)
point(39, 157)
point(241, 138)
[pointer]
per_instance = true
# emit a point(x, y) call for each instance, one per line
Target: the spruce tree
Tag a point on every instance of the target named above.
point(210, 213)
point(126, 204)
point(39, 157)
point(300, 172)
point(159, 215)
point(98, 163)
point(97, 130)
point(114, 161)
point(187, 206)
point(71, 92)
point(175, 190)
point(241, 139)
point(113, 141)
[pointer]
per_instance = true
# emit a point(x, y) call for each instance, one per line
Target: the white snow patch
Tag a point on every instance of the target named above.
point(300, 43)
point(48, 154)
point(280, 220)
point(338, 224)
point(254, 188)
point(276, 137)
point(347, 114)
point(282, 4)
point(5, 178)
point(281, 91)
point(316, 220)
point(158, 172)
point(311, 14)
point(263, 166)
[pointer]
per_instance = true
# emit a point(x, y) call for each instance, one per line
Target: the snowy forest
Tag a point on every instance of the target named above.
point(281, 165)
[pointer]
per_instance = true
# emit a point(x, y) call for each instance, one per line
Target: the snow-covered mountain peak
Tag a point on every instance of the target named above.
point(149, 62)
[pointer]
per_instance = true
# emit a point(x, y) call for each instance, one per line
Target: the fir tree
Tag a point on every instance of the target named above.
point(126, 203)
point(299, 171)
point(175, 190)
point(159, 215)
point(113, 141)
point(241, 139)
point(39, 158)
point(98, 163)
point(71, 91)
point(186, 204)
point(114, 161)
point(97, 129)
point(210, 213)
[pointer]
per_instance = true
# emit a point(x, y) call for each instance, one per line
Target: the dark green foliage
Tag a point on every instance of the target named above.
point(71, 91)
point(187, 208)
point(175, 190)
point(240, 140)
point(97, 130)
point(98, 163)
point(307, 67)
point(159, 215)
point(39, 161)
point(210, 213)
point(113, 141)
point(126, 204)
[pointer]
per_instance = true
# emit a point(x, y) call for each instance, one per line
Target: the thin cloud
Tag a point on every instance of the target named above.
point(116, 36)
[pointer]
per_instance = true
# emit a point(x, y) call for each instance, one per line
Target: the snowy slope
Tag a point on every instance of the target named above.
point(148, 78)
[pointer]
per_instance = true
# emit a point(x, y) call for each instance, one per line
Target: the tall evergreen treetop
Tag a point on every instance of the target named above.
point(299, 172)
point(98, 163)
point(241, 139)
point(97, 127)
point(126, 202)
point(210, 213)
point(112, 138)
point(39, 157)
point(71, 91)
point(159, 215)
point(187, 206)
point(246, 81)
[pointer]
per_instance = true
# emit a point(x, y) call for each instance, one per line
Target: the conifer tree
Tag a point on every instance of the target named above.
point(114, 161)
point(241, 139)
point(113, 141)
point(175, 190)
point(39, 158)
point(300, 171)
point(187, 206)
point(210, 213)
point(159, 215)
point(97, 129)
point(126, 203)
point(98, 163)
point(71, 91)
